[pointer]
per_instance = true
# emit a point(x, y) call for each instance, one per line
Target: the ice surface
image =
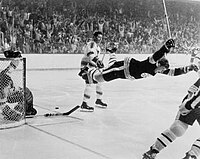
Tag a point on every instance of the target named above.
point(138, 111)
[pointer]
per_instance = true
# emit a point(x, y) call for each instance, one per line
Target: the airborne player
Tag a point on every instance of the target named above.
point(130, 68)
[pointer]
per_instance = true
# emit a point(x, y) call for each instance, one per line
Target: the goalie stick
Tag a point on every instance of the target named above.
point(55, 114)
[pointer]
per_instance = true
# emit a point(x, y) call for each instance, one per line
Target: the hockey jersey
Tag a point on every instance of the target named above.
point(91, 50)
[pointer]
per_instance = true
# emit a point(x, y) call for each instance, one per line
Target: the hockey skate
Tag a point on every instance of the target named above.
point(151, 154)
point(31, 111)
point(100, 104)
point(188, 156)
point(85, 108)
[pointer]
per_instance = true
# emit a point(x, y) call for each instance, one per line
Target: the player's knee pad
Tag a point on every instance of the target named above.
point(88, 88)
point(99, 91)
point(178, 128)
point(87, 92)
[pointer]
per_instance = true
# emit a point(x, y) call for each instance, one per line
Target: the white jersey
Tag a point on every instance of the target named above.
point(91, 50)
point(92, 46)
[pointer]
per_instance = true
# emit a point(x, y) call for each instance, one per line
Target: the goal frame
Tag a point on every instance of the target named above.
point(12, 124)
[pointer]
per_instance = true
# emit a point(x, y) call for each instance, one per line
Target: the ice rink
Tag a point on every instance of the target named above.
point(138, 111)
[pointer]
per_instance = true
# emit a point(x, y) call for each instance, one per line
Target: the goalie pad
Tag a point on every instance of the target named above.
point(18, 95)
point(11, 114)
point(5, 80)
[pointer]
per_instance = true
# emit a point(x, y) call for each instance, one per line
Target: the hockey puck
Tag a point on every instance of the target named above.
point(56, 107)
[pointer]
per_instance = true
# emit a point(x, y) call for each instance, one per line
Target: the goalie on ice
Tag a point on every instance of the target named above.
point(11, 98)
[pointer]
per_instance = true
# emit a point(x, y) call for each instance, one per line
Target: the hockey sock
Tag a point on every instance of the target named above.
point(164, 140)
point(99, 92)
point(87, 93)
point(195, 149)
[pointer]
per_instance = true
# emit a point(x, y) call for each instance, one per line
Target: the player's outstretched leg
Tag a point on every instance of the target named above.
point(151, 154)
point(85, 108)
point(100, 104)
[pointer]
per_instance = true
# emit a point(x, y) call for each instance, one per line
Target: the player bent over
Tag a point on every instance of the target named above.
point(130, 68)
point(11, 98)
point(5, 109)
point(189, 112)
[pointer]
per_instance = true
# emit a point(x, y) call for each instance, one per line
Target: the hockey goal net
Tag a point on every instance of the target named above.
point(12, 86)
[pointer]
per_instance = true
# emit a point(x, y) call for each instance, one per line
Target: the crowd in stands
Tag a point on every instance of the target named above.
point(64, 26)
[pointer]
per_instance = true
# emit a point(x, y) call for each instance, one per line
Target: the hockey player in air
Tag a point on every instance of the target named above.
point(189, 112)
point(92, 51)
point(130, 68)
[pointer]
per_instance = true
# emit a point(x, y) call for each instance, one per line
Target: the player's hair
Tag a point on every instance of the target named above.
point(164, 62)
point(96, 33)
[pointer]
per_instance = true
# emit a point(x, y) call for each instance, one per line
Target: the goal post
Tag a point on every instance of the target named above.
point(12, 92)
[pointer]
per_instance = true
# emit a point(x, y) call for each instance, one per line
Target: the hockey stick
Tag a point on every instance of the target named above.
point(55, 114)
point(167, 20)
point(103, 56)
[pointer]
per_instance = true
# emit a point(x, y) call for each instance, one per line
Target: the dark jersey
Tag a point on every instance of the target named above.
point(137, 68)
point(130, 68)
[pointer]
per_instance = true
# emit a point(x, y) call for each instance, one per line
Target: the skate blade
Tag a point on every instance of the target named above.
point(85, 110)
point(100, 106)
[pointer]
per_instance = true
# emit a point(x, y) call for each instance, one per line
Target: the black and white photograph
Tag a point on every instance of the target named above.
point(99, 79)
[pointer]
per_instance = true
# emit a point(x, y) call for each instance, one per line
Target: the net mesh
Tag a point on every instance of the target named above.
point(12, 84)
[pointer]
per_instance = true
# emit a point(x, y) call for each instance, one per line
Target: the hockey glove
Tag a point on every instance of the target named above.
point(111, 50)
point(169, 44)
point(12, 54)
point(100, 64)
point(191, 68)
point(83, 71)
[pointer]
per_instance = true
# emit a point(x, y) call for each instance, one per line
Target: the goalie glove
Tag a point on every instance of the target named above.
point(12, 54)
point(169, 44)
